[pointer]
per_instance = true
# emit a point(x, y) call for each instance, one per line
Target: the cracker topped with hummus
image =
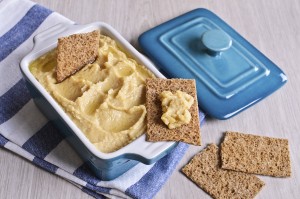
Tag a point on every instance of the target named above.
point(104, 94)
point(172, 111)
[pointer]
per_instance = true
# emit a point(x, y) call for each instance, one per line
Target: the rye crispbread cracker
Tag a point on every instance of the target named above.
point(204, 169)
point(256, 154)
point(74, 52)
point(156, 129)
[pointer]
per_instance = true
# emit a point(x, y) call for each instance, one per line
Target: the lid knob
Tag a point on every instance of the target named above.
point(216, 41)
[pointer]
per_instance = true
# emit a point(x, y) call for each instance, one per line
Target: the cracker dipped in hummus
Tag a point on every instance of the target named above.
point(105, 99)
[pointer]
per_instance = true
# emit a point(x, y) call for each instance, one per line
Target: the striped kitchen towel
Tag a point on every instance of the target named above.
point(26, 132)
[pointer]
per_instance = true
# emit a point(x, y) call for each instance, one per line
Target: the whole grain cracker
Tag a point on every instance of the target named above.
point(204, 169)
point(74, 52)
point(156, 129)
point(256, 154)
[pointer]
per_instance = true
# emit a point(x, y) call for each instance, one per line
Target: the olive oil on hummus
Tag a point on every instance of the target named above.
point(106, 99)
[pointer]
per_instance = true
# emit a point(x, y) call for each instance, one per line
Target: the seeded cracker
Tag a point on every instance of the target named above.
point(204, 169)
point(256, 154)
point(74, 52)
point(156, 129)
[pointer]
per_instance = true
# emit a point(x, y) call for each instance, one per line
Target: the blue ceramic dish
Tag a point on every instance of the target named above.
point(231, 74)
point(106, 166)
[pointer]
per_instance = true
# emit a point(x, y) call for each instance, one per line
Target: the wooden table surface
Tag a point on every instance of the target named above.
point(273, 26)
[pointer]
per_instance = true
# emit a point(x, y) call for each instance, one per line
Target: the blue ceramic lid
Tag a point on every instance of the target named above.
point(230, 73)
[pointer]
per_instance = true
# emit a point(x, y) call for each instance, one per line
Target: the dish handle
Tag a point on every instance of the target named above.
point(148, 152)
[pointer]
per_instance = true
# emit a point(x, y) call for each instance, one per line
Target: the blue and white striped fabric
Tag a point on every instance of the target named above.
point(25, 131)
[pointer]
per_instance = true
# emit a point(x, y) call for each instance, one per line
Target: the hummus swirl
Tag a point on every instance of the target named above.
point(106, 99)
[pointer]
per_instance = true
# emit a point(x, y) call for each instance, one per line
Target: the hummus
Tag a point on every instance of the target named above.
point(106, 99)
point(176, 108)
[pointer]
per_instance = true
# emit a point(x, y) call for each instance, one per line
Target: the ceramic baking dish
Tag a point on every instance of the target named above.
point(106, 166)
